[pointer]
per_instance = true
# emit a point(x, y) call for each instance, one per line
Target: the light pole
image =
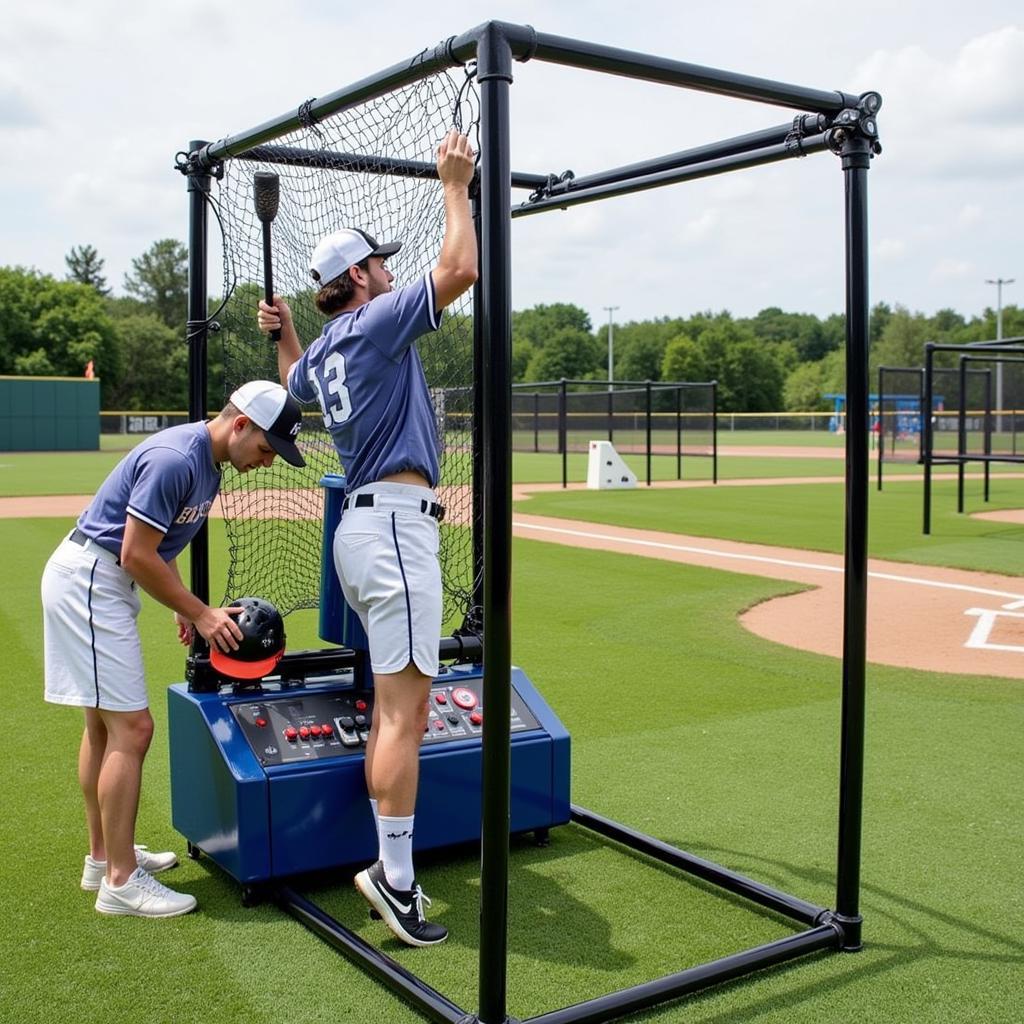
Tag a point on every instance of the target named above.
point(999, 282)
point(611, 343)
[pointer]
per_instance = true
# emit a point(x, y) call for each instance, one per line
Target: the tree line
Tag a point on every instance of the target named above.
point(772, 361)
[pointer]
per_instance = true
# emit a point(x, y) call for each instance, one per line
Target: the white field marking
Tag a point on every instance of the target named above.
point(983, 627)
point(740, 557)
point(1013, 605)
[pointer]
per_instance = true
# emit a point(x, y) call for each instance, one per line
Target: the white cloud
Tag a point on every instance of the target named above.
point(103, 94)
point(890, 250)
point(949, 268)
point(970, 215)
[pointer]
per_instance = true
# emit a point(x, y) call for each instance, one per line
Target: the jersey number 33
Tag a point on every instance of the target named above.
point(329, 381)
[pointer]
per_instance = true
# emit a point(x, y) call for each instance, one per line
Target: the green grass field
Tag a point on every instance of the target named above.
point(810, 516)
point(683, 725)
point(48, 473)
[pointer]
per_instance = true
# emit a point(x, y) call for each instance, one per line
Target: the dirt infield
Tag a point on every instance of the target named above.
point(1006, 515)
point(939, 620)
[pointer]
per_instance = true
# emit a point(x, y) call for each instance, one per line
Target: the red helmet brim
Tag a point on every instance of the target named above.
point(232, 668)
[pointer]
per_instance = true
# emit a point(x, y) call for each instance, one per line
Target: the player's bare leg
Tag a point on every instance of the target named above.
point(128, 737)
point(393, 753)
point(400, 716)
point(90, 760)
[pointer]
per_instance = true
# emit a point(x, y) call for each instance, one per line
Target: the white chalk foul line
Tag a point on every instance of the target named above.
point(765, 559)
point(983, 628)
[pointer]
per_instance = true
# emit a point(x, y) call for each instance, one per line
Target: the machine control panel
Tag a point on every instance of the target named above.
point(295, 728)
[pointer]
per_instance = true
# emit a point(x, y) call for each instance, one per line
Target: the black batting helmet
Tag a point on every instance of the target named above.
point(262, 642)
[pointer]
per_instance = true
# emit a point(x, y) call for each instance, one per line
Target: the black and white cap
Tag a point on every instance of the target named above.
point(275, 412)
point(343, 249)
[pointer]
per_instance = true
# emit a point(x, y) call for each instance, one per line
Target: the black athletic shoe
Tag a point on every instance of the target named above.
point(401, 911)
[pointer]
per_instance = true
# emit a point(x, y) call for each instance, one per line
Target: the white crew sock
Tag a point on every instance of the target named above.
point(373, 807)
point(395, 837)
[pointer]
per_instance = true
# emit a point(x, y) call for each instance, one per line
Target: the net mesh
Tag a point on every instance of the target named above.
point(274, 517)
point(900, 391)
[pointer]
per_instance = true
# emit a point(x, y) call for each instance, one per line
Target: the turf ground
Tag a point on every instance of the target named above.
point(683, 725)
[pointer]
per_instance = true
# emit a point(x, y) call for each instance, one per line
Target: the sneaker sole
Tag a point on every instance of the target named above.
point(128, 912)
point(88, 887)
point(370, 894)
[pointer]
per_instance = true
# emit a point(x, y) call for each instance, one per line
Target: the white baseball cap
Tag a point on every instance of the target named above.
point(343, 249)
point(275, 412)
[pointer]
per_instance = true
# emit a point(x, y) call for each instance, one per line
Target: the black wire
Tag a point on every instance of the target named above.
point(204, 324)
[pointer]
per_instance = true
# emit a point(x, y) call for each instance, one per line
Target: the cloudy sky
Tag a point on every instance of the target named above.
point(96, 98)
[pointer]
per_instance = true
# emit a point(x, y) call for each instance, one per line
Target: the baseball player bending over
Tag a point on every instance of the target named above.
point(142, 517)
point(366, 374)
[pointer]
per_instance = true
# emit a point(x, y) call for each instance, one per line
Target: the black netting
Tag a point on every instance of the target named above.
point(898, 413)
point(274, 518)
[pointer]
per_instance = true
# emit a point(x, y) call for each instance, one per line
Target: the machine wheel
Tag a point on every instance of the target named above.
point(193, 851)
point(252, 896)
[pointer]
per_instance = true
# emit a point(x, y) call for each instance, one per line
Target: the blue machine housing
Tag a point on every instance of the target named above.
point(259, 820)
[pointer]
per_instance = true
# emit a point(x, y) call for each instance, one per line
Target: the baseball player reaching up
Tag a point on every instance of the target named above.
point(144, 514)
point(365, 372)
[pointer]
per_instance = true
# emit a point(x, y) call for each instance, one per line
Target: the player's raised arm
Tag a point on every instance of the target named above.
point(278, 317)
point(456, 269)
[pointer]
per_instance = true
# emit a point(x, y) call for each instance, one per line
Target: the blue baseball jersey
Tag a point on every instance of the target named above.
point(168, 482)
point(366, 374)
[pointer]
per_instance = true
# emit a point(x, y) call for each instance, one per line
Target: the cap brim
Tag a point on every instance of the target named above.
point(232, 668)
point(388, 249)
point(286, 449)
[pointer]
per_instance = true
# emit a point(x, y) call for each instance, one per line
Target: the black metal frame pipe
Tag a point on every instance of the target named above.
point(714, 431)
point(927, 436)
point(197, 331)
point(978, 346)
point(552, 49)
point(479, 342)
point(961, 435)
point(494, 75)
point(686, 158)
point(710, 168)
point(421, 65)
point(413, 989)
point(856, 159)
point(365, 163)
point(695, 979)
point(665, 385)
point(881, 426)
point(764, 895)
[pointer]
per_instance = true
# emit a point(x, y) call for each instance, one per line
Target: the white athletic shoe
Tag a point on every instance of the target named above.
point(154, 863)
point(143, 896)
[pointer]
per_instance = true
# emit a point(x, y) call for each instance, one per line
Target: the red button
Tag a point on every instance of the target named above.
point(315, 730)
point(304, 732)
point(441, 698)
point(361, 705)
point(438, 724)
point(328, 730)
point(464, 697)
point(261, 722)
point(476, 718)
point(290, 734)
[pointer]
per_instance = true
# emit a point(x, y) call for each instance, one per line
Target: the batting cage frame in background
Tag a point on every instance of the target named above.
point(677, 419)
point(988, 355)
point(899, 402)
point(826, 121)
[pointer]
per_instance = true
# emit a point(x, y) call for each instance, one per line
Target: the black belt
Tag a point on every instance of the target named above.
point(82, 539)
point(429, 508)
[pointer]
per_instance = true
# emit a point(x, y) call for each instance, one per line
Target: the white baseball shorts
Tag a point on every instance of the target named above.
point(91, 651)
point(386, 560)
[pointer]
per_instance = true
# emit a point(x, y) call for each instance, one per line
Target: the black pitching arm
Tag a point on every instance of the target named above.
point(266, 193)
